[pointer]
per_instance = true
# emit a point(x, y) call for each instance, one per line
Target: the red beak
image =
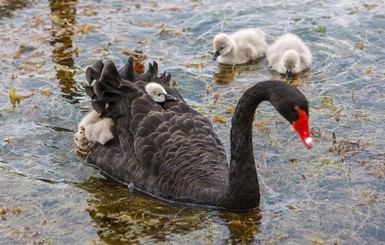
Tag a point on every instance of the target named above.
point(302, 128)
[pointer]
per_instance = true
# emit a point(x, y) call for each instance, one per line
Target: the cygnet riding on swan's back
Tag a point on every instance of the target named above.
point(92, 128)
point(288, 55)
point(157, 93)
point(239, 47)
point(171, 152)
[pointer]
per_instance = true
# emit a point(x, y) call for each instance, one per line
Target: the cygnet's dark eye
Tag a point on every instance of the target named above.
point(159, 94)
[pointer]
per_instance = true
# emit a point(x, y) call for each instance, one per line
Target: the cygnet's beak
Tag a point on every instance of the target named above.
point(169, 97)
point(216, 56)
point(289, 75)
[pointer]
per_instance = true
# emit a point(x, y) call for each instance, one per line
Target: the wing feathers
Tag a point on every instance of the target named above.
point(169, 150)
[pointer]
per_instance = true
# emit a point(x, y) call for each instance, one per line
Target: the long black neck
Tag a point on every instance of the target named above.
point(244, 188)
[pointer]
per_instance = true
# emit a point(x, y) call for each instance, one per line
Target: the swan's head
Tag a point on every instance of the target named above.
point(222, 45)
point(290, 60)
point(294, 107)
point(157, 93)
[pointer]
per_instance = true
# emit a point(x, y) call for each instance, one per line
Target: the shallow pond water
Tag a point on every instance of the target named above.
point(332, 194)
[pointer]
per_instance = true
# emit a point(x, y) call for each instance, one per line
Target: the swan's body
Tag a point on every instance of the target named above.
point(171, 151)
point(288, 55)
point(239, 47)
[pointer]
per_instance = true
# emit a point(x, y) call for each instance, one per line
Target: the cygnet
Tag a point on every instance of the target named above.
point(239, 47)
point(157, 93)
point(92, 128)
point(288, 55)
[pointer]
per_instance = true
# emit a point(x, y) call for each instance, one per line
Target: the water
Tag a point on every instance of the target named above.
point(332, 194)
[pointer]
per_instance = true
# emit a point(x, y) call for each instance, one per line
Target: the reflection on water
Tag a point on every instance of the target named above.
point(297, 80)
point(63, 16)
point(243, 227)
point(8, 6)
point(122, 216)
point(227, 73)
point(333, 194)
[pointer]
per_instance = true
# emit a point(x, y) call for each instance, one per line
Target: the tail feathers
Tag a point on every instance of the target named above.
point(153, 69)
point(107, 85)
point(90, 92)
point(128, 72)
point(110, 74)
point(99, 107)
point(107, 111)
point(151, 74)
point(93, 72)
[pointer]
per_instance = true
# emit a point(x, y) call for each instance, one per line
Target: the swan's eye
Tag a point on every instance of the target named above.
point(297, 108)
point(159, 94)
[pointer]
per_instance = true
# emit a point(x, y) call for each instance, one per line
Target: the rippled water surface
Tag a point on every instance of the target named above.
point(332, 194)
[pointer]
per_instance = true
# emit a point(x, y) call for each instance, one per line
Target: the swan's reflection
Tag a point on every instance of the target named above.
point(8, 6)
point(122, 216)
point(227, 73)
point(297, 80)
point(63, 16)
point(243, 226)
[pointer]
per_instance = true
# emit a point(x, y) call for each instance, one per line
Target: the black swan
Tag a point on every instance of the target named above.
point(170, 151)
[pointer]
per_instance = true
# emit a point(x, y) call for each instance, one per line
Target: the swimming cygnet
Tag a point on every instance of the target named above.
point(289, 54)
point(92, 128)
point(239, 47)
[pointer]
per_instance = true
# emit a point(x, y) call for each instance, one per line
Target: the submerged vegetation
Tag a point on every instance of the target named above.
point(15, 99)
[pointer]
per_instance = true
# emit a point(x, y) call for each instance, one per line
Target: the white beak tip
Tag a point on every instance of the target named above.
point(309, 142)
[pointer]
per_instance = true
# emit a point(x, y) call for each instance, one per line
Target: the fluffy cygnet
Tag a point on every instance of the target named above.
point(157, 93)
point(93, 128)
point(239, 47)
point(289, 54)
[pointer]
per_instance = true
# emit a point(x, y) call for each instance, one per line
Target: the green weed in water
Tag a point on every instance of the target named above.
point(320, 29)
point(360, 45)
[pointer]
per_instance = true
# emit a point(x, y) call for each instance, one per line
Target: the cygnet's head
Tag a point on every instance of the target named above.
point(222, 45)
point(290, 60)
point(157, 93)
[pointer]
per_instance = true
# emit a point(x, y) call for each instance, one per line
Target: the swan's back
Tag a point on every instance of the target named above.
point(167, 150)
